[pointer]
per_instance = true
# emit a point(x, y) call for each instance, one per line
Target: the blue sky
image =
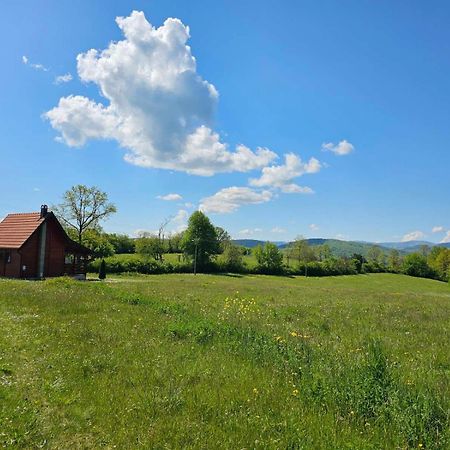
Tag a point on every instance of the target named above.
point(281, 77)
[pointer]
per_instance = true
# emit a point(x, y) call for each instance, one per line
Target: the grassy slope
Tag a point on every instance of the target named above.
point(167, 362)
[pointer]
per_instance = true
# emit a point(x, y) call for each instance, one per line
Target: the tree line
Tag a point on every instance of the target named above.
point(204, 247)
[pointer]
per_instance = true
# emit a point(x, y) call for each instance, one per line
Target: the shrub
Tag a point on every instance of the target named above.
point(269, 259)
point(416, 265)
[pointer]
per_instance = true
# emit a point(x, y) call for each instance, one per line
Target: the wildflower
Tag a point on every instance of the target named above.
point(295, 392)
point(294, 334)
point(255, 391)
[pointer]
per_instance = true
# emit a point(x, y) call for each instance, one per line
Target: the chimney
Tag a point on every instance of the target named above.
point(44, 211)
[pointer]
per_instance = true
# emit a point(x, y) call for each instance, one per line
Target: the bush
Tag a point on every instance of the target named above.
point(138, 264)
point(416, 265)
point(269, 259)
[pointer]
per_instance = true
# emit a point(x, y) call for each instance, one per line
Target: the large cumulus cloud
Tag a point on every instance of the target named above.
point(156, 106)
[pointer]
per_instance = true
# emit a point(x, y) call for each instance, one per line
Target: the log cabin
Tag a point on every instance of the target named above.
point(35, 246)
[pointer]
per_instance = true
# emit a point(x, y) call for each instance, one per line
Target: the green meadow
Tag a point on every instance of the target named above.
point(210, 362)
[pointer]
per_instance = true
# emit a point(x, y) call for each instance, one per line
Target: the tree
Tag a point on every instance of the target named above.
point(439, 260)
point(301, 251)
point(96, 240)
point(232, 257)
point(358, 261)
point(376, 256)
point(200, 241)
point(323, 252)
point(416, 265)
point(394, 261)
point(149, 245)
point(269, 258)
point(223, 237)
point(121, 243)
point(83, 208)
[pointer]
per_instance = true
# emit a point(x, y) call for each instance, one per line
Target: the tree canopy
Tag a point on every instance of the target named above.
point(200, 241)
point(83, 208)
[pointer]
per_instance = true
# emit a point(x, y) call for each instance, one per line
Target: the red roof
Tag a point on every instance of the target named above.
point(15, 229)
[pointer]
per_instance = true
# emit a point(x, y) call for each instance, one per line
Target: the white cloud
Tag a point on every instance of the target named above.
point(281, 176)
point(170, 197)
point(63, 78)
point(446, 238)
point(249, 231)
point(157, 107)
point(343, 148)
point(413, 236)
point(180, 221)
point(232, 198)
point(27, 62)
point(36, 189)
point(278, 230)
point(313, 227)
point(188, 205)
point(437, 229)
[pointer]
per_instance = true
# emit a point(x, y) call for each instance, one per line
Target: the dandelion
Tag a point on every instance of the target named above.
point(295, 392)
point(294, 334)
point(255, 391)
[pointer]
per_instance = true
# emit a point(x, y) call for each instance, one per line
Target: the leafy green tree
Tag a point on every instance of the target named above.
point(121, 243)
point(150, 246)
point(95, 240)
point(83, 208)
point(376, 256)
point(301, 251)
point(358, 261)
point(200, 241)
point(233, 258)
point(323, 252)
point(394, 261)
point(269, 258)
point(222, 237)
point(439, 260)
point(174, 243)
point(416, 265)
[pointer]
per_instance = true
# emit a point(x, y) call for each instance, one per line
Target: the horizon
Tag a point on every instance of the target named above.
point(271, 133)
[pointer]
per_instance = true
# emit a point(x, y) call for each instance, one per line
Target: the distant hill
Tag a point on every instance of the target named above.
point(347, 248)
point(406, 245)
point(251, 243)
point(337, 247)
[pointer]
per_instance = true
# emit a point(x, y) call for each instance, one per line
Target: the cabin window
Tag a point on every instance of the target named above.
point(5, 256)
point(68, 259)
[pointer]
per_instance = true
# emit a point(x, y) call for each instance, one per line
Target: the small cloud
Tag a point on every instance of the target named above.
point(170, 197)
point(282, 176)
point(180, 220)
point(27, 62)
point(413, 236)
point(230, 199)
point(437, 229)
point(249, 231)
point(36, 189)
point(313, 227)
point(342, 148)
point(63, 78)
point(446, 238)
point(278, 230)
point(188, 205)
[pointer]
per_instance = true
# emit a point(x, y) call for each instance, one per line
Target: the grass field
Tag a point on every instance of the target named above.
point(183, 361)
